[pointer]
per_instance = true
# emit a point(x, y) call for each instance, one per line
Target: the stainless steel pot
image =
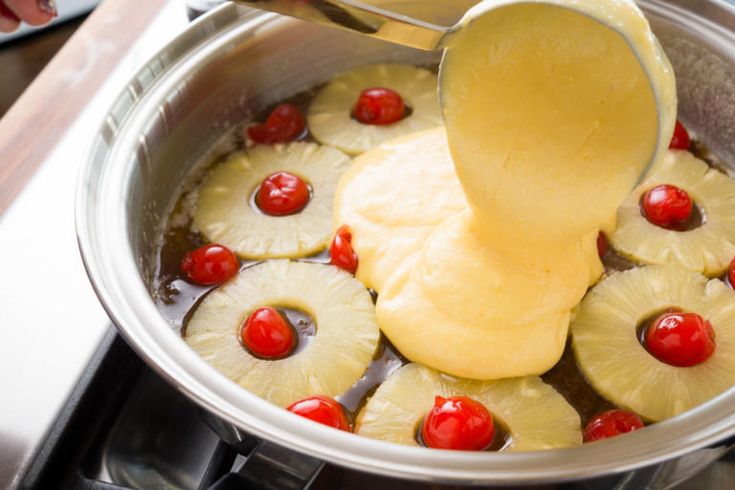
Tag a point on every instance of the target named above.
point(231, 63)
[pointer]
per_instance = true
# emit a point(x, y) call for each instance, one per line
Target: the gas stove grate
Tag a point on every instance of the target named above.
point(123, 427)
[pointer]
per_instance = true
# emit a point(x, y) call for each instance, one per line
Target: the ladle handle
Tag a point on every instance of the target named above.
point(356, 16)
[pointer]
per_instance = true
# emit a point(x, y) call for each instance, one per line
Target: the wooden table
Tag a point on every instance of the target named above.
point(39, 118)
point(23, 59)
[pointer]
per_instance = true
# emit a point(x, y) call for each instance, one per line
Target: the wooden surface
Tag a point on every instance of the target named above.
point(23, 59)
point(39, 118)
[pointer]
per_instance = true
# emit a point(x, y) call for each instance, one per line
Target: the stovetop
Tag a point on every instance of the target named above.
point(125, 428)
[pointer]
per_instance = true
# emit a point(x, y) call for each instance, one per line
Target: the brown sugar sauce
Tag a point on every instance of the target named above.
point(177, 298)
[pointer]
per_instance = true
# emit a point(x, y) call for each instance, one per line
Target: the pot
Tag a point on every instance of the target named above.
point(233, 62)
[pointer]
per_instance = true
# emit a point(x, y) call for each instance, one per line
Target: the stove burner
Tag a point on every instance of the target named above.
point(124, 427)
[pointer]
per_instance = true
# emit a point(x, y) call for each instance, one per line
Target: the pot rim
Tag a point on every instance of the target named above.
point(102, 233)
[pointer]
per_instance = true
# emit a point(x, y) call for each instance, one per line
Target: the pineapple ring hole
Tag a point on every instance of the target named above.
point(646, 323)
point(254, 193)
point(407, 111)
point(302, 324)
point(501, 440)
point(697, 218)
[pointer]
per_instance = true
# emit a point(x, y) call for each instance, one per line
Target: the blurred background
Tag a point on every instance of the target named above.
point(25, 52)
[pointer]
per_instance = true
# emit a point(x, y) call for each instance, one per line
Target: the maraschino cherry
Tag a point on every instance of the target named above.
point(680, 140)
point(281, 194)
point(666, 205)
point(341, 252)
point(610, 424)
point(680, 339)
point(379, 106)
point(267, 334)
point(322, 409)
point(601, 244)
point(284, 124)
point(731, 273)
point(209, 265)
point(458, 423)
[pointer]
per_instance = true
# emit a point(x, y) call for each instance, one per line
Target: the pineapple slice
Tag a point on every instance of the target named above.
point(707, 249)
point(226, 212)
point(605, 342)
point(344, 344)
point(536, 416)
point(330, 114)
point(393, 197)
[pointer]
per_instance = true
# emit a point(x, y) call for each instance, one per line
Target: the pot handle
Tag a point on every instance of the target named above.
point(357, 16)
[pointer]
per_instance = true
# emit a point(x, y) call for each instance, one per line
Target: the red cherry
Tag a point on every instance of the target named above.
point(458, 422)
point(601, 244)
point(666, 205)
point(322, 409)
point(281, 194)
point(284, 124)
point(680, 140)
point(379, 106)
point(611, 424)
point(210, 264)
point(341, 252)
point(680, 339)
point(267, 334)
point(731, 273)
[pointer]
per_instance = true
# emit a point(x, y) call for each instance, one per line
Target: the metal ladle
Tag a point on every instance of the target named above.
point(376, 22)
point(353, 15)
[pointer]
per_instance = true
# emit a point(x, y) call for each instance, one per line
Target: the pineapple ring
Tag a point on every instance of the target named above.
point(224, 212)
point(346, 337)
point(707, 249)
point(330, 114)
point(536, 415)
point(605, 342)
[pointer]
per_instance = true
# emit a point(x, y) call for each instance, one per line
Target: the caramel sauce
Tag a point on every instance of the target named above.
point(387, 359)
point(302, 323)
point(568, 380)
point(700, 151)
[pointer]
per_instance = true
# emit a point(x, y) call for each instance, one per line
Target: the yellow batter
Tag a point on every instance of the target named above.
point(393, 197)
point(553, 110)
